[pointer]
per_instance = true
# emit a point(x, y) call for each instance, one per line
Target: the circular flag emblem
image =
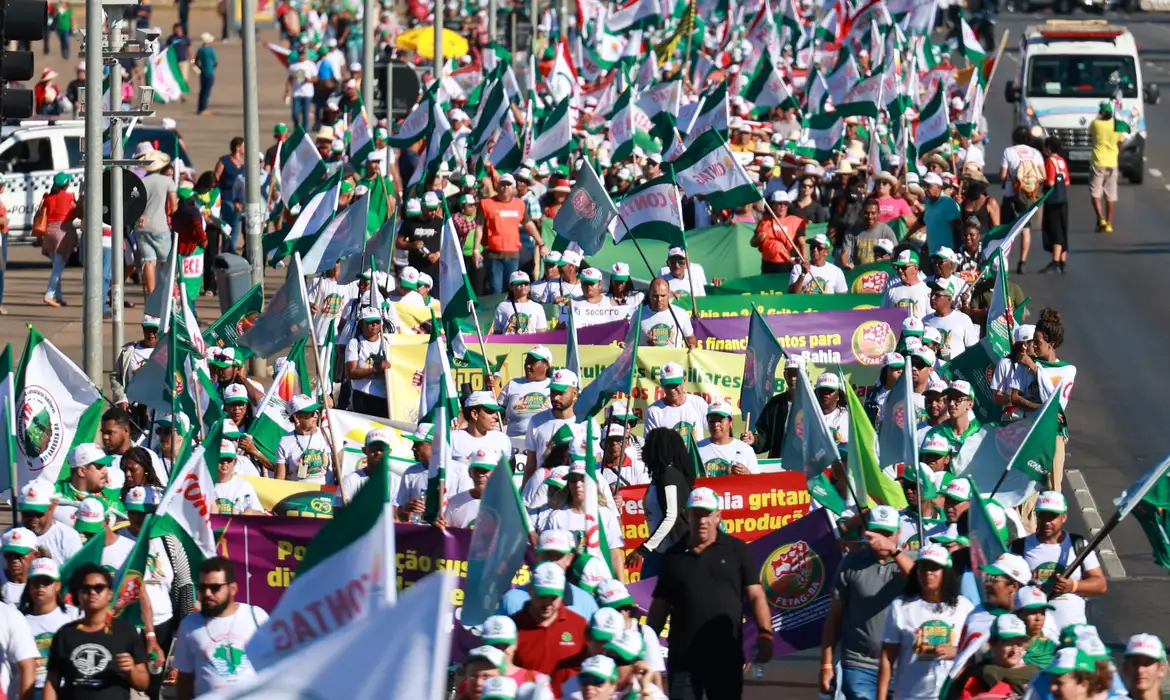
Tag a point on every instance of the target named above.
point(246, 321)
point(872, 341)
point(792, 576)
point(38, 428)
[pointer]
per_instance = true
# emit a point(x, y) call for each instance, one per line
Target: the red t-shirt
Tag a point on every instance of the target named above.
point(59, 205)
point(502, 224)
point(556, 651)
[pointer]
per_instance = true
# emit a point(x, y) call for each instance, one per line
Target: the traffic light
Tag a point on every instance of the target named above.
point(20, 20)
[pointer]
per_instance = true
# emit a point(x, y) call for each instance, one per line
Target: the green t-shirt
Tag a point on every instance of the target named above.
point(1040, 652)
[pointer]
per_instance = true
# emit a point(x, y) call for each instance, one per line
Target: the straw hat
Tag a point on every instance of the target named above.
point(206, 38)
point(325, 133)
point(154, 160)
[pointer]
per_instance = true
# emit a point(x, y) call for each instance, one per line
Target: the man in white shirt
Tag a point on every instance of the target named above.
point(562, 393)
point(957, 330)
point(910, 291)
point(1049, 551)
point(463, 507)
point(817, 276)
point(211, 648)
point(679, 273)
point(664, 325)
point(55, 539)
point(1015, 203)
point(18, 654)
point(677, 409)
point(828, 391)
point(409, 499)
point(482, 414)
point(722, 454)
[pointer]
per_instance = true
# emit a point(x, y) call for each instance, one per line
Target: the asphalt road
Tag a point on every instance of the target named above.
point(1113, 303)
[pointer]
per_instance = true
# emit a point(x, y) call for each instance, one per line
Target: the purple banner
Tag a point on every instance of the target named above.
point(266, 551)
point(797, 566)
point(599, 334)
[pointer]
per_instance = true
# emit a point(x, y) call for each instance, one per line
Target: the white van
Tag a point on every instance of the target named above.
point(1067, 68)
point(30, 155)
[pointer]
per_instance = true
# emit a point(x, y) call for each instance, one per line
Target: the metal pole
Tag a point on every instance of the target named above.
point(117, 230)
point(389, 88)
point(92, 235)
point(253, 207)
point(493, 18)
point(534, 15)
point(439, 39)
point(369, 16)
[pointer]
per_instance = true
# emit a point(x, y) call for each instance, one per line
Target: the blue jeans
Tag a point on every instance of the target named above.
point(53, 291)
point(859, 683)
point(107, 269)
point(63, 35)
point(498, 273)
point(231, 217)
point(3, 262)
point(300, 111)
point(205, 83)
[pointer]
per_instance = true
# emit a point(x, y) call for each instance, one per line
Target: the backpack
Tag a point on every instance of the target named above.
point(1078, 545)
point(1027, 179)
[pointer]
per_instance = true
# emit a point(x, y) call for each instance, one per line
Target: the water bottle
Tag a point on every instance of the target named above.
point(154, 663)
point(757, 671)
point(416, 518)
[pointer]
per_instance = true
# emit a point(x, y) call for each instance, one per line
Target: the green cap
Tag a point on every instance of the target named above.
point(1069, 660)
point(346, 187)
point(1105, 106)
point(186, 192)
point(62, 179)
point(919, 475)
point(280, 128)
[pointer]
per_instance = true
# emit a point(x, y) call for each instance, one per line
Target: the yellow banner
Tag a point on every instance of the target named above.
point(710, 374)
point(413, 315)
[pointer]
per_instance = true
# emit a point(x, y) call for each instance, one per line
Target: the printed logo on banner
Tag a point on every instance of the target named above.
point(792, 576)
point(310, 504)
point(583, 204)
point(872, 341)
point(872, 282)
point(1009, 437)
point(129, 592)
point(38, 430)
point(800, 424)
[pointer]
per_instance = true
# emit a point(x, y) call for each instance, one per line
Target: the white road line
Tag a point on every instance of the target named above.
point(1084, 500)
point(1168, 187)
point(1155, 172)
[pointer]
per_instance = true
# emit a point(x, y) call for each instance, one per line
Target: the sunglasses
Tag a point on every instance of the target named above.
point(212, 588)
point(41, 582)
point(98, 588)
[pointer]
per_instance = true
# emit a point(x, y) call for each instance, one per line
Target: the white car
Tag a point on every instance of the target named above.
point(30, 155)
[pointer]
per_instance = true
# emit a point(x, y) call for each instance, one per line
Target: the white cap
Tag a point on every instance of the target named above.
point(571, 257)
point(499, 629)
point(235, 393)
point(88, 453)
point(704, 499)
point(519, 277)
point(1052, 502)
point(90, 516)
point(1011, 565)
point(1008, 627)
point(540, 352)
point(563, 379)
point(425, 280)
point(302, 403)
point(829, 380)
point(672, 373)
point(620, 270)
point(719, 408)
point(780, 197)
point(932, 179)
point(1023, 333)
point(499, 688)
point(409, 277)
point(961, 386)
point(1030, 598)
point(431, 200)
point(959, 489)
point(676, 252)
point(935, 553)
point(46, 567)
point(481, 398)
point(548, 578)
point(883, 518)
point(556, 541)
point(378, 435)
point(591, 274)
point(1144, 645)
point(19, 540)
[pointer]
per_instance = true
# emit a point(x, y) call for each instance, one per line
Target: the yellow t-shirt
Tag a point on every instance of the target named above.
point(1105, 140)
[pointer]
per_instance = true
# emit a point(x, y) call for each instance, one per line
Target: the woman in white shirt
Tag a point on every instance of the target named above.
point(304, 454)
point(568, 513)
point(518, 313)
point(922, 630)
point(366, 365)
point(44, 610)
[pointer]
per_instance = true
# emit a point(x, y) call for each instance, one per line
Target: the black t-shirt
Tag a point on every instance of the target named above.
point(429, 231)
point(706, 596)
point(86, 662)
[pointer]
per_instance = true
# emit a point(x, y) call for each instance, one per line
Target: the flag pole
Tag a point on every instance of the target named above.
point(328, 434)
point(487, 370)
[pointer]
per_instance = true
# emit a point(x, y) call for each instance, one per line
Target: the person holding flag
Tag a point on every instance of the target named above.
point(519, 313)
point(666, 325)
point(815, 274)
point(37, 505)
point(304, 453)
point(524, 397)
point(366, 364)
point(677, 409)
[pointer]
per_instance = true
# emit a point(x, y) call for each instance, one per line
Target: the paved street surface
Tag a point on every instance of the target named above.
point(1113, 300)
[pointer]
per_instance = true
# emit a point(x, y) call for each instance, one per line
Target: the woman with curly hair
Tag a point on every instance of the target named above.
point(1046, 375)
point(922, 629)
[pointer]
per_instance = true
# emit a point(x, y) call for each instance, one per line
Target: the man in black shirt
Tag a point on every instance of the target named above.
point(701, 586)
point(423, 236)
point(768, 438)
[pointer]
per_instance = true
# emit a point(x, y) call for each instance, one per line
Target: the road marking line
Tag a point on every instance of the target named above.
point(1155, 172)
point(1167, 187)
point(1084, 500)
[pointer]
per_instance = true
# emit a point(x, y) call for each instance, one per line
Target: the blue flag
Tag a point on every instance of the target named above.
point(899, 424)
point(808, 444)
point(285, 320)
point(759, 368)
point(497, 548)
point(618, 378)
point(585, 217)
point(572, 353)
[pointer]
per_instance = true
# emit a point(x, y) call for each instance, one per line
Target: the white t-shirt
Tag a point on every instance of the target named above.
point(235, 496)
point(682, 285)
point(826, 279)
point(353, 482)
point(61, 540)
point(159, 578)
point(1044, 381)
point(1047, 559)
point(363, 352)
point(414, 483)
point(915, 626)
point(544, 425)
point(16, 645)
point(115, 555)
point(462, 510)
point(214, 649)
point(653, 655)
point(957, 330)
point(12, 592)
point(693, 410)
point(301, 72)
point(330, 298)
point(915, 298)
point(522, 399)
point(246, 467)
point(519, 317)
point(718, 459)
point(1012, 157)
point(548, 291)
point(43, 628)
point(464, 444)
point(567, 519)
point(306, 457)
point(665, 330)
point(838, 423)
point(1008, 373)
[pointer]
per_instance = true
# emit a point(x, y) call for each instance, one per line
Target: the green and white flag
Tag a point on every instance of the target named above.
point(361, 135)
point(863, 99)
point(285, 320)
point(637, 14)
point(439, 140)
point(767, 89)
point(184, 512)
point(9, 478)
point(272, 421)
point(596, 538)
point(1015, 457)
point(562, 81)
point(555, 135)
point(344, 235)
point(661, 98)
point(934, 124)
point(1003, 237)
point(843, 76)
point(1000, 314)
point(301, 168)
point(352, 559)
point(970, 46)
point(163, 74)
point(712, 115)
point(825, 134)
point(817, 93)
point(416, 125)
point(437, 379)
point(709, 168)
point(313, 216)
point(490, 116)
point(436, 498)
point(621, 126)
point(57, 408)
point(456, 298)
point(651, 210)
point(504, 150)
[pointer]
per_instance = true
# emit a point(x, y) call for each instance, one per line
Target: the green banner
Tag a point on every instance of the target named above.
point(870, 278)
point(239, 318)
point(723, 251)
